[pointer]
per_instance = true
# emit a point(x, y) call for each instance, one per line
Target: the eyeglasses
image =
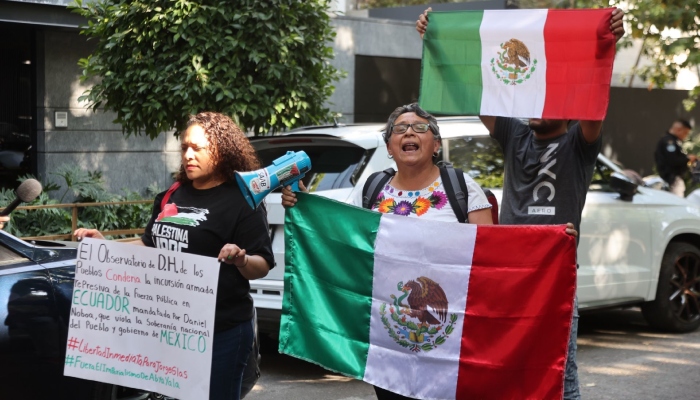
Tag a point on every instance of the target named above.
point(400, 129)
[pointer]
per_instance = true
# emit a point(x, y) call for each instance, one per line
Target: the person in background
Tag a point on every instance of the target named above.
point(212, 149)
point(548, 168)
point(671, 162)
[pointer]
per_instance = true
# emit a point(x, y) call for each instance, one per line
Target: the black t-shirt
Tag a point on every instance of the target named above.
point(670, 159)
point(201, 222)
point(546, 181)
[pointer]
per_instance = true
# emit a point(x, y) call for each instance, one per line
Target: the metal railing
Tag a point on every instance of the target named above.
point(74, 219)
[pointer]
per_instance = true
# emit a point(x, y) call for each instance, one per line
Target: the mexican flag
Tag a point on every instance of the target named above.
point(428, 309)
point(552, 64)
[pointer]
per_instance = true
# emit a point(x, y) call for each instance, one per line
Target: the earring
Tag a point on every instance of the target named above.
point(389, 156)
point(435, 155)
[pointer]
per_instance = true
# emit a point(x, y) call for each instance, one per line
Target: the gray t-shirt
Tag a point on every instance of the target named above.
point(546, 181)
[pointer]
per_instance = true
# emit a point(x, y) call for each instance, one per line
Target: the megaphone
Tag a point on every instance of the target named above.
point(286, 170)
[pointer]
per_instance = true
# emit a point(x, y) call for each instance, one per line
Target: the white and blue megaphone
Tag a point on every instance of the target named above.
point(286, 170)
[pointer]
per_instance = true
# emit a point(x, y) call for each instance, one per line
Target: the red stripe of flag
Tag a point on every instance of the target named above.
point(580, 49)
point(518, 314)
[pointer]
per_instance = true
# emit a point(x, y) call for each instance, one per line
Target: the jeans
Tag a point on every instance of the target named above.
point(571, 385)
point(228, 361)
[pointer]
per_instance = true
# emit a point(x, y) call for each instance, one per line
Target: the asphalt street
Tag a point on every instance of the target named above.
point(620, 357)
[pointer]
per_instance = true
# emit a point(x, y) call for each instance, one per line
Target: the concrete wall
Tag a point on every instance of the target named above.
point(367, 37)
point(91, 141)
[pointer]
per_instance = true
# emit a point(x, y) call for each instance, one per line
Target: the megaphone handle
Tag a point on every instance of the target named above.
point(295, 186)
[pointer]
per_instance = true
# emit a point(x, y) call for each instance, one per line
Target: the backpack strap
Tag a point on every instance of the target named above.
point(456, 190)
point(166, 197)
point(373, 186)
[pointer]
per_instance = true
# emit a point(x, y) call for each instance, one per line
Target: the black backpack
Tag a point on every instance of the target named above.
point(452, 179)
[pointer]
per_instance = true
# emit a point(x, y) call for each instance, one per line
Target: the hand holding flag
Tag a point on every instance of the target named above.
point(550, 64)
point(428, 309)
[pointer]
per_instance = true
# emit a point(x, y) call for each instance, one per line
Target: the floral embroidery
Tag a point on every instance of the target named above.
point(423, 201)
point(438, 199)
point(386, 206)
point(403, 208)
point(421, 206)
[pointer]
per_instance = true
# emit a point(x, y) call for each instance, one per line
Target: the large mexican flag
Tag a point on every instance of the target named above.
point(431, 310)
point(554, 64)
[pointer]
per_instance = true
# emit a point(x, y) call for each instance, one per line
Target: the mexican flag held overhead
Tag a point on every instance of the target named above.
point(428, 309)
point(552, 64)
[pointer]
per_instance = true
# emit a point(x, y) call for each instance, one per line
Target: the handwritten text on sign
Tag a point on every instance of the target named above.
point(142, 318)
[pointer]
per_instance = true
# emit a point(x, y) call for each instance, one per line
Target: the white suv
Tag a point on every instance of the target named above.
point(638, 246)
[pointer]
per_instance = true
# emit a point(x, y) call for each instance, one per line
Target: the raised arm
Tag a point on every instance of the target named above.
point(591, 129)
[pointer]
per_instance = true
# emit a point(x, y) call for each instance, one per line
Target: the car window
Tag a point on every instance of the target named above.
point(8, 256)
point(478, 156)
point(332, 167)
point(601, 177)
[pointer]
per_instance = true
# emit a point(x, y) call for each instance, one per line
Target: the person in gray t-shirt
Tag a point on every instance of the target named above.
point(547, 170)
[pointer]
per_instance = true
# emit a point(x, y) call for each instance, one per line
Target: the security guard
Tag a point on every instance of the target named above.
point(671, 163)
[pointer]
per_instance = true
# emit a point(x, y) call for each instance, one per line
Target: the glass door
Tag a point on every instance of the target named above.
point(17, 127)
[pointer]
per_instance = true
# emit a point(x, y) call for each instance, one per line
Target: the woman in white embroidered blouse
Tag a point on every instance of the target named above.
point(416, 190)
point(412, 138)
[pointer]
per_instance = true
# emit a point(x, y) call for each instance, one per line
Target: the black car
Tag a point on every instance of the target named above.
point(36, 286)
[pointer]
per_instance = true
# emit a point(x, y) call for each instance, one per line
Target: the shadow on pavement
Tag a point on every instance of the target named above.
point(621, 357)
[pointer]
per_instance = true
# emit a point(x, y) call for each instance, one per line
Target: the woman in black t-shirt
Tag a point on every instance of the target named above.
point(205, 213)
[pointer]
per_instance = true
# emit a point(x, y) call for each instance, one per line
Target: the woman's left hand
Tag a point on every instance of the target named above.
point(289, 198)
point(570, 230)
point(232, 254)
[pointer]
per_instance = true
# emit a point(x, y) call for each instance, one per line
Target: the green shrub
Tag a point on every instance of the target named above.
point(265, 63)
point(85, 187)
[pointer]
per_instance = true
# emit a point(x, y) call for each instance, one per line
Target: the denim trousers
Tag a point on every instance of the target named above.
point(229, 359)
point(571, 384)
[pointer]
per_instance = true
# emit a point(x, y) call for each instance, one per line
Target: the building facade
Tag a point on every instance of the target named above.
point(44, 127)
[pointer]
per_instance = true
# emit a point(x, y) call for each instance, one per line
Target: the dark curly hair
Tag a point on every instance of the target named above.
point(230, 149)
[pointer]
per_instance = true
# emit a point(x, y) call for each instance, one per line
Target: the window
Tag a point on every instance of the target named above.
point(8, 256)
point(332, 167)
point(16, 124)
point(480, 157)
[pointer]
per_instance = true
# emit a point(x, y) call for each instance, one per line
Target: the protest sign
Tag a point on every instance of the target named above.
point(142, 318)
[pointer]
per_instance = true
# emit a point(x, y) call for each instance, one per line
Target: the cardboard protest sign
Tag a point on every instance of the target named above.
point(142, 318)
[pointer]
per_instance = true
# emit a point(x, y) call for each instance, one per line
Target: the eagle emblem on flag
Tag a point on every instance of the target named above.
point(418, 323)
point(513, 65)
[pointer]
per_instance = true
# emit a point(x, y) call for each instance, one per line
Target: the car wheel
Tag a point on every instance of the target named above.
point(677, 304)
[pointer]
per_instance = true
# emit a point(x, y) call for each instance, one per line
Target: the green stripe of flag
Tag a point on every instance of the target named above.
point(344, 289)
point(451, 68)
